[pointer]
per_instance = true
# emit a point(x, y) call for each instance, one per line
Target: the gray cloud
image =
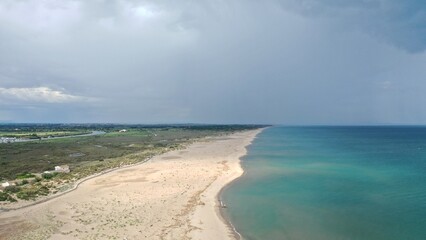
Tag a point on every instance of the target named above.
point(285, 61)
point(401, 23)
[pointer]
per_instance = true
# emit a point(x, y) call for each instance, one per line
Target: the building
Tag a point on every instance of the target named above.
point(5, 184)
point(62, 168)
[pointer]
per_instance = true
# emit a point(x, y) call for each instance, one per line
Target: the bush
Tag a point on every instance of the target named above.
point(6, 197)
point(26, 195)
point(32, 193)
point(43, 190)
point(48, 175)
point(12, 189)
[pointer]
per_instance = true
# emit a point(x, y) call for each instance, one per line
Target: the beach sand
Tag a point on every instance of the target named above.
point(172, 196)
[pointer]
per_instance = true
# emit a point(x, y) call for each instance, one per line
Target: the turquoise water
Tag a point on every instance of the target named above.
point(332, 183)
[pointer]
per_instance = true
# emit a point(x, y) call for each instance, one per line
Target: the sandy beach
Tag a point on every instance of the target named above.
point(172, 196)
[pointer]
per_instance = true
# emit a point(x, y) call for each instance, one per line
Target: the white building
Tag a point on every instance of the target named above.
point(62, 168)
point(5, 184)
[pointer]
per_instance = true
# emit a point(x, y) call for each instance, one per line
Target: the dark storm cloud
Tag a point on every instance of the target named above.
point(308, 61)
point(402, 23)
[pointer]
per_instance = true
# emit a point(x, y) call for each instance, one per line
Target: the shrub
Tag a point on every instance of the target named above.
point(32, 193)
point(12, 189)
point(25, 195)
point(43, 190)
point(48, 175)
point(6, 197)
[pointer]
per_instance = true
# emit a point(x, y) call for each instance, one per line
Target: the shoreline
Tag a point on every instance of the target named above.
point(174, 195)
point(222, 211)
point(213, 207)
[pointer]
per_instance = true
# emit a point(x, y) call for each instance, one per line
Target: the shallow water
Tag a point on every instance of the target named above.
point(332, 183)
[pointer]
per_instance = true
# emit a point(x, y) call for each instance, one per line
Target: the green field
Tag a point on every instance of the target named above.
point(28, 131)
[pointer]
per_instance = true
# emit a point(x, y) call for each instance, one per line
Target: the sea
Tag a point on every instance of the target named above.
point(326, 183)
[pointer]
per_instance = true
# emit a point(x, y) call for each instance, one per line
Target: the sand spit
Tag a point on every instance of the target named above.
point(172, 196)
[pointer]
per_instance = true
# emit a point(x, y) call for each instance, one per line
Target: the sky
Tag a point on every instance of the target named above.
point(196, 61)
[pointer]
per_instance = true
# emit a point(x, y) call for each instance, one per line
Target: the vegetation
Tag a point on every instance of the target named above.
point(35, 131)
point(25, 175)
point(12, 189)
point(48, 175)
point(32, 192)
point(4, 196)
point(87, 155)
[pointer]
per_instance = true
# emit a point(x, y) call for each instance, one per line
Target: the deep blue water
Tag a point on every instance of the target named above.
point(332, 183)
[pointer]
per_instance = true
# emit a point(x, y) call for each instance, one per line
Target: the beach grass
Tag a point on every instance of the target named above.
point(89, 154)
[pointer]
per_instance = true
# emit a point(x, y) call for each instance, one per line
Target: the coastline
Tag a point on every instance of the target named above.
point(222, 212)
point(160, 191)
point(213, 208)
point(237, 235)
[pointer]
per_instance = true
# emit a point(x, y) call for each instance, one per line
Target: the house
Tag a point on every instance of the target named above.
point(62, 168)
point(5, 184)
point(123, 130)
